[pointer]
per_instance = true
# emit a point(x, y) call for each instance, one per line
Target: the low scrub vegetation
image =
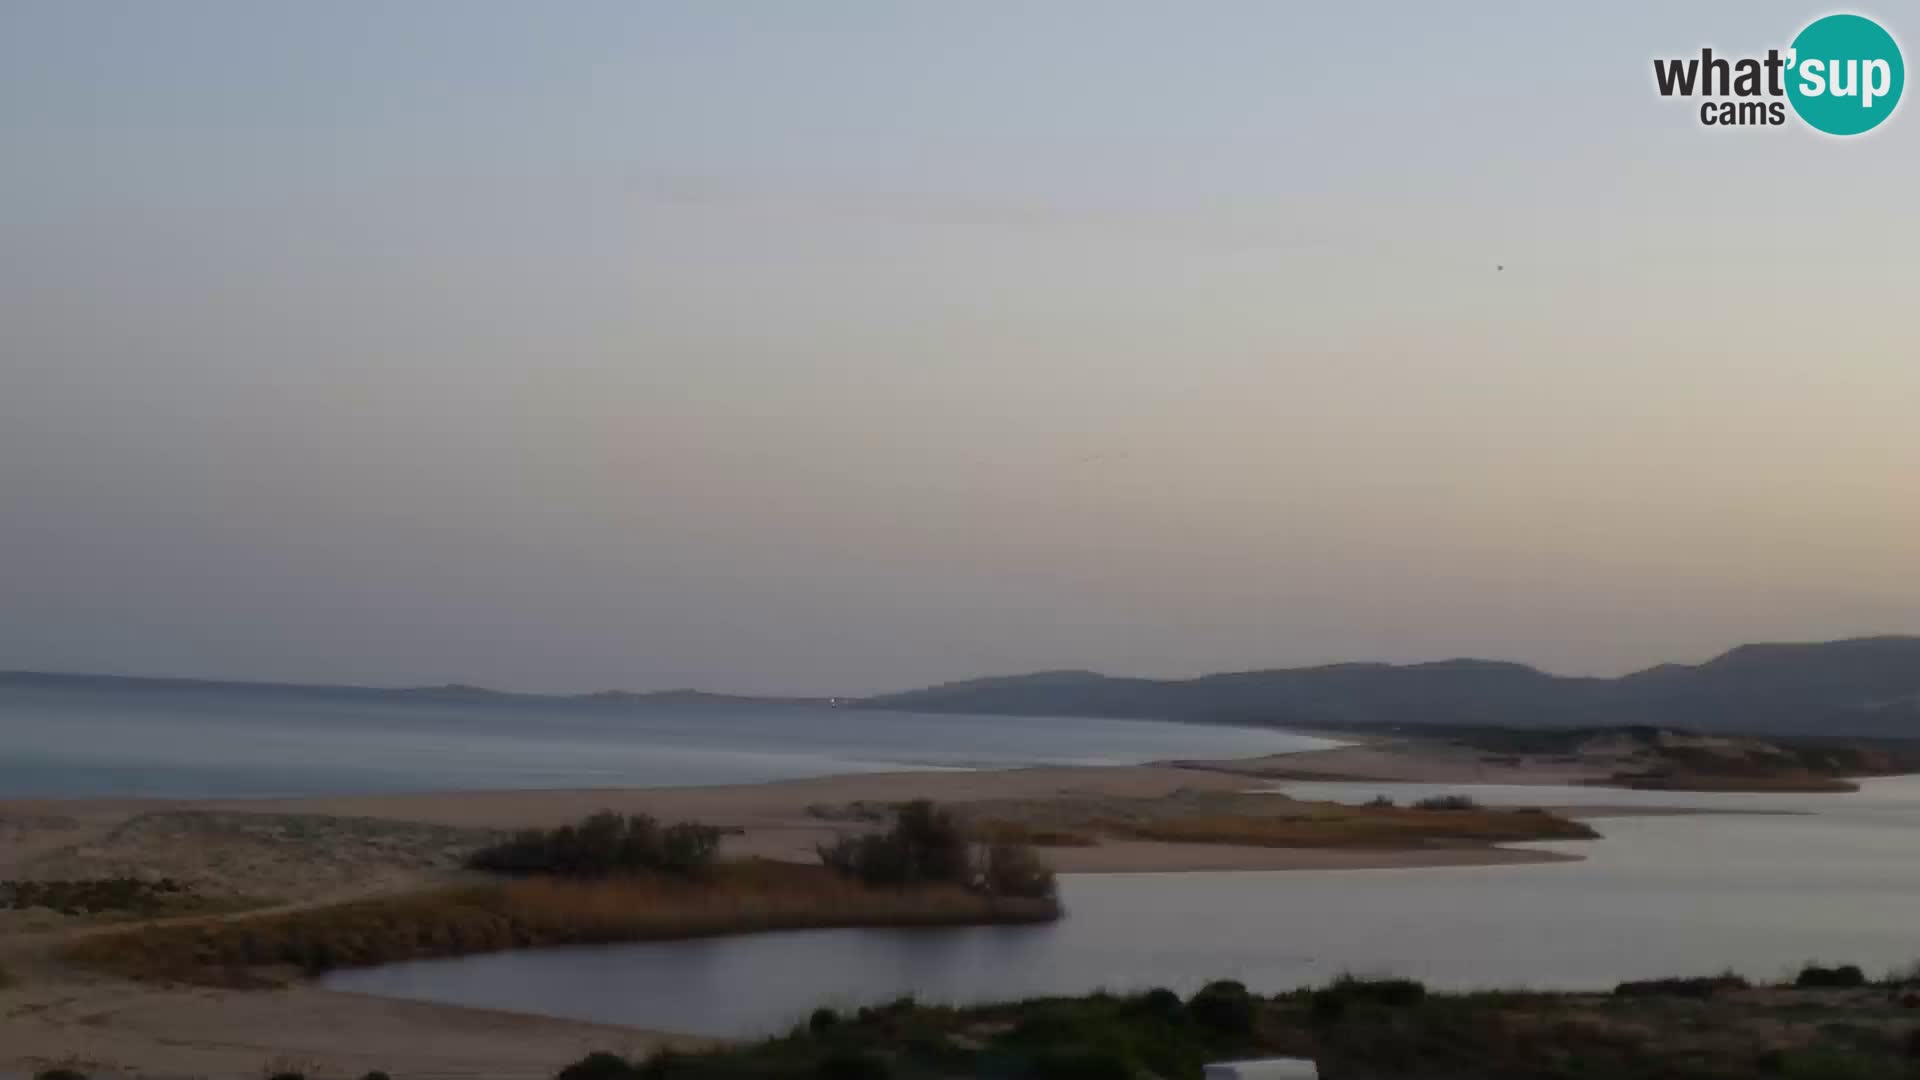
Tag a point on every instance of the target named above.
point(1844, 977)
point(729, 898)
point(1352, 1027)
point(1015, 832)
point(927, 845)
point(1698, 986)
point(604, 845)
point(137, 896)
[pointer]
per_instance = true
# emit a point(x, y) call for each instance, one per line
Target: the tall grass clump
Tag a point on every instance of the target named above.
point(927, 845)
point(604, 845)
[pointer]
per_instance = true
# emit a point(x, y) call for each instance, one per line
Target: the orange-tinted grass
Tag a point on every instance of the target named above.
point(1015, 832)
point(733, 898)
point(1358, 827)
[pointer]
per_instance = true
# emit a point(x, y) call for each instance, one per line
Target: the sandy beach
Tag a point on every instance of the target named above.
point(297, 852)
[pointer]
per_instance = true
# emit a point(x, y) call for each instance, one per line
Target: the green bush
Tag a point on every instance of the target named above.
point(1844, 977)
point(1009, 869)
point(1393, 993)
point(822, 1020)
point(1224, 1007)
point(1082, 1065)
point(1704, 986)
point(853, 1067)
point(600, 1065)
point(1163, 1003)
point(927, 846)
point(603, 845)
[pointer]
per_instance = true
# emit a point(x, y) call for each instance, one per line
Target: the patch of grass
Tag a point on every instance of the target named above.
point(1014, 832)
point(1325, 825)
point(731, 898)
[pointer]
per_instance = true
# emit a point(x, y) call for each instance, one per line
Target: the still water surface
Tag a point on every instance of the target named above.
point(1833, 877)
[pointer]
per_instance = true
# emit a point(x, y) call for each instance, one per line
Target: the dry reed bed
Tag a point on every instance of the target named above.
point(1266, 820)
point(1360, 827)
point(733, 898)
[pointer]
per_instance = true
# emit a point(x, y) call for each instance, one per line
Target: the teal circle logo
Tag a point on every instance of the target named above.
point(1846, 74)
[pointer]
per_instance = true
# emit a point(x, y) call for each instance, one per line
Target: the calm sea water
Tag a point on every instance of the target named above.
point(1830, 877)
point(201, 743)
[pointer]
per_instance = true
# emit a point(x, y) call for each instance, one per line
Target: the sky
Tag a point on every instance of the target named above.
point(841, 347)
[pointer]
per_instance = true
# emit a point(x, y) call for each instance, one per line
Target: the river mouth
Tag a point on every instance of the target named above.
point(1833, 879)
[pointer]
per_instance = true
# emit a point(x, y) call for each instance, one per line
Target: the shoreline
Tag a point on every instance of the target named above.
point(786, 819)
point(361, 845)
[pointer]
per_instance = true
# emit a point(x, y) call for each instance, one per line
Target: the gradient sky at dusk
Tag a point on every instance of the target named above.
point(840, 347)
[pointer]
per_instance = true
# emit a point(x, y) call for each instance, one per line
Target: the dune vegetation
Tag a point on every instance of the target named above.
point(1270, 820)
point(733, 898)
point(605, 880)
point(1717, 1028)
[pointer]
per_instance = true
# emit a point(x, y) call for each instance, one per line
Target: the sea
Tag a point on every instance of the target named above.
point(105, 738)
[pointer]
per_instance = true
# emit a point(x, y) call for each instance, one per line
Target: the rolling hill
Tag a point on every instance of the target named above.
point(1858, 687)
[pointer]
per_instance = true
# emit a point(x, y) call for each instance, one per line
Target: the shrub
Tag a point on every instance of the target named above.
point(1380, 802)
point(288, 1076)
point(59, 1074)
point(822, 1020)
point(927, 846)
point(603, 845)
point(1327, 1006)
point(853, 1067)
point(376, 1074)
point(1846, 976)
point(1223, 1006)
point(1394, 993)
point(1447, 802)
point(1081, 1065)
point(1702, 986)
point(1163, 1003)
point(1014, 870)
point(600, 1065)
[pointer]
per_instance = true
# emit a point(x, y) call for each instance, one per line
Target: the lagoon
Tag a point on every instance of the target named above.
point(1793, 879)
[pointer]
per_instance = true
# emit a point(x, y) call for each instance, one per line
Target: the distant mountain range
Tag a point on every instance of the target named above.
point(1857, 687)
point(1861, 687)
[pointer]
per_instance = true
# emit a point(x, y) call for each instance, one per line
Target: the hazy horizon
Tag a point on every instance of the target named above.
point(841, 351)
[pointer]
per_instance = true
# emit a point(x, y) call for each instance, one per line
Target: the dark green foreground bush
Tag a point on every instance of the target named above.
point(1699, 986)
point(1844, 977)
